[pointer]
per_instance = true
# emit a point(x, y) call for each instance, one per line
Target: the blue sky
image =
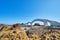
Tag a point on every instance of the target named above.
point(18, 11)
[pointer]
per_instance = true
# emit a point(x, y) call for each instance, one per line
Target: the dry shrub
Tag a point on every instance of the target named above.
point(13, 35)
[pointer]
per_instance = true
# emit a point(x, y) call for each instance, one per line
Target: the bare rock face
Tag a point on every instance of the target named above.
point(45, 34)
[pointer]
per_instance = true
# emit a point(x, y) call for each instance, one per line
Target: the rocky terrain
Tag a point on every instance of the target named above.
point(17, 32)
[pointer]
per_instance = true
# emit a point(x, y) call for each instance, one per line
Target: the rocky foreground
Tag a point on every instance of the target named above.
point(16, 33)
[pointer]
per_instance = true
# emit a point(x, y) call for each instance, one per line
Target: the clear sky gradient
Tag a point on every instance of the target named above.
point(18, 11)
